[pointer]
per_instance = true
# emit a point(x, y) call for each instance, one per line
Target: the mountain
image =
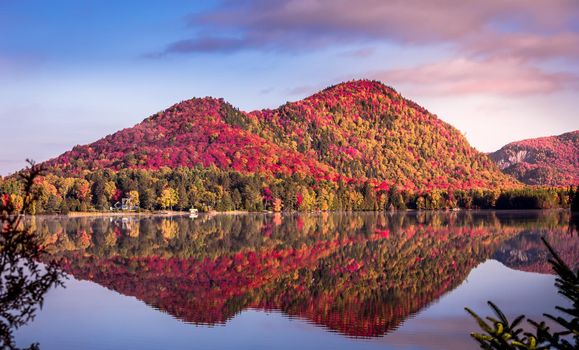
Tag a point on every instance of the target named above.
point(551, 161)
point(197, 132)
point(354, 131)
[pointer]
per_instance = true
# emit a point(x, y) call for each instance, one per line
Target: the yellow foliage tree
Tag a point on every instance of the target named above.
point(308, 199)
point(168, 198)
point(134, 197)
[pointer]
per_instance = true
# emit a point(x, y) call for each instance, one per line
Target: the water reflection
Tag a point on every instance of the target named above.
point(357, 274)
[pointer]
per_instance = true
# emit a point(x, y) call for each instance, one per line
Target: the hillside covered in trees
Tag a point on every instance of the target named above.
point(354, 146)
point(355, 131)
point(549, 161)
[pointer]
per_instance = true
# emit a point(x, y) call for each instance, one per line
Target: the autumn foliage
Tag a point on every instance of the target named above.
point(355, 131)
point(354, 146)
point(552, 161)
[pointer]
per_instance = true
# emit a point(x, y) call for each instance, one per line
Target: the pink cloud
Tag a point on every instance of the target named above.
point(509, 76)
point(503, 45)
point(528, 46)
point(273, 23)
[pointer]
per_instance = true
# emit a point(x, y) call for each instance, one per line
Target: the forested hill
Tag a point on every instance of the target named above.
point(552, 160)
point(352, 132)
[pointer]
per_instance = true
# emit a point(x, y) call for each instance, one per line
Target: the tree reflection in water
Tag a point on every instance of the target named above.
point(359, 274)
point(23, 279)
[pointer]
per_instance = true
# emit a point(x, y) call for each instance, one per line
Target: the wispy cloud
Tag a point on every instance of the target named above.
point(266, 90)
point(293, 24)
point(303, 90)
point(502, 46)
point(359, 53)
point(212, 44)
point(527, 46)
point(505, 77)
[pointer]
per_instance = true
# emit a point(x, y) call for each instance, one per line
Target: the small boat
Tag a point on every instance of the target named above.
point(193, 213)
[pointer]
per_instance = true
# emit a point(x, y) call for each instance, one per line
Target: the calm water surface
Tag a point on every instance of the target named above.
point(307, 281)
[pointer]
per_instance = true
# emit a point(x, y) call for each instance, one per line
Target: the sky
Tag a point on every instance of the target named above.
point(72, 72)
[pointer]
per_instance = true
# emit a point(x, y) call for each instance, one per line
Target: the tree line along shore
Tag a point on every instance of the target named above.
point(211, 189)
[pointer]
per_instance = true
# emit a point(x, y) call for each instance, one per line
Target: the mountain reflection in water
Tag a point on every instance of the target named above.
point(357, 274)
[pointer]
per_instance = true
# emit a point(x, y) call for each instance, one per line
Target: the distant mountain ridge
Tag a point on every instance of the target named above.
point(551, 161)
point(354, 131)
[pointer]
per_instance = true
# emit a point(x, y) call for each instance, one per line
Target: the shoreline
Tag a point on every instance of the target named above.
point(242, 212)
point(124, 213)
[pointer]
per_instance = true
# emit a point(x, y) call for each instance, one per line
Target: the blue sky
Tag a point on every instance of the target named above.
point(74, 71)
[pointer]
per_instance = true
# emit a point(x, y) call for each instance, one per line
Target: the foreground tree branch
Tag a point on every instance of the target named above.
point(24, 280)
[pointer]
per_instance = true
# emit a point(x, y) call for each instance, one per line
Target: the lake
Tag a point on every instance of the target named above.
point(294, 281)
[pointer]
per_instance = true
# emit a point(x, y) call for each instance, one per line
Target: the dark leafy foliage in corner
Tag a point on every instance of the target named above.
point(23, 279)
point(501, 334)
